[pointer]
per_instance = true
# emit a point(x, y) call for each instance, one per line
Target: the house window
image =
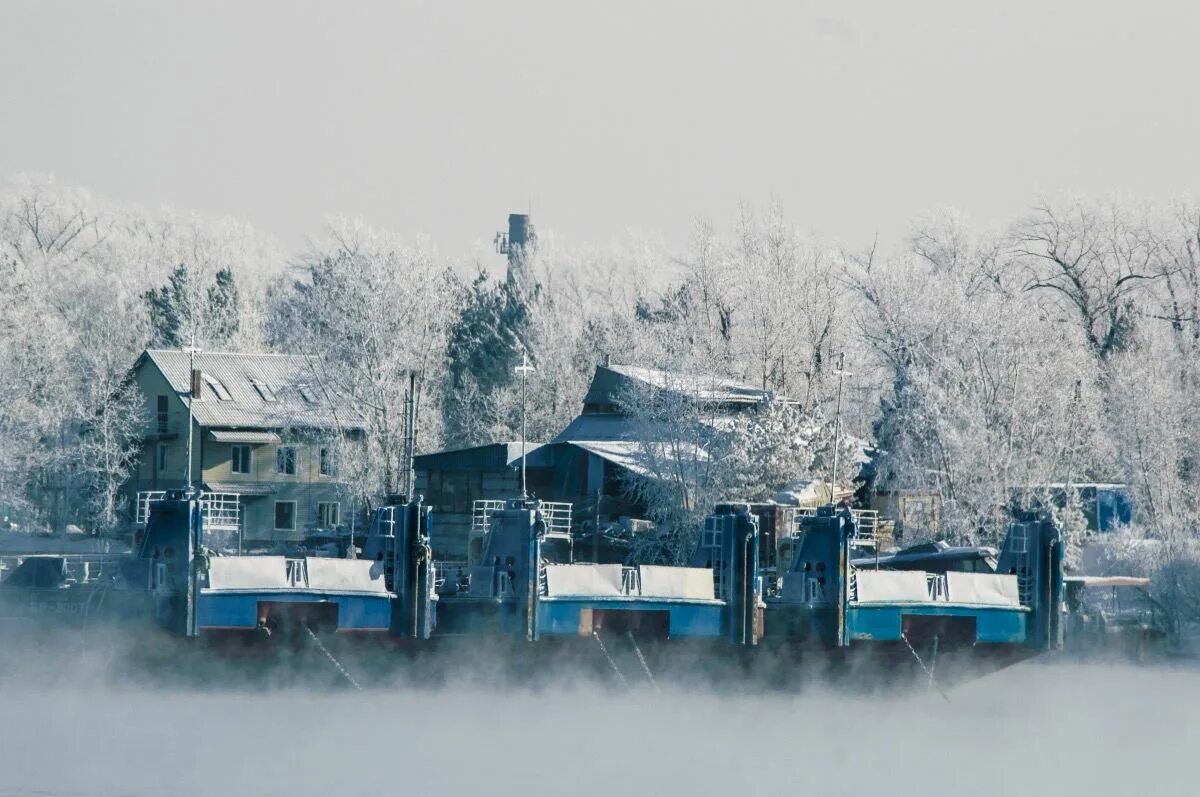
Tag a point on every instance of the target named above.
point(161, 457)
point(264, 390)
point(328, 514)
point(241, 459)
point(285, 515)
point(285, 460)
point(163, 416)
point(328, 466)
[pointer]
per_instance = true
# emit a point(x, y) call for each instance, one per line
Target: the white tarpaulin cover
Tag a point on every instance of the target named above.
point(344, 575)
point(677, 582)
point(878, 586)
point(584, 580)
point(991, 589)
point(248, 572)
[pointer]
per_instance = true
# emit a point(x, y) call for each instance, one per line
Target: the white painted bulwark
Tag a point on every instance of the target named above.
point(677, 582)
point(988, 589)
point(892, 586)
point(584, 580)
point(248, 572)
point(345, 575)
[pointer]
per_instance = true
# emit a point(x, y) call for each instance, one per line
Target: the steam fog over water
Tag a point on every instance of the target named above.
point(1031, 730)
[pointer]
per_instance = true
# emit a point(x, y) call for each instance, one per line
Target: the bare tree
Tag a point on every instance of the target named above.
point(1095, 258)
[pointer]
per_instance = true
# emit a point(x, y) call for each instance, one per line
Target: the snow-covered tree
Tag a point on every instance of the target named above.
point(369, 310)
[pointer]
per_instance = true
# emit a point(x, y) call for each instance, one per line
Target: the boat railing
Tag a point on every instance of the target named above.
point(460, 571)
point(557, 515)
point(1019, 547)
point(144, 500)
point(936, 584)
point(385, 521)
point(481, 515)
point(866, 525)
point(83, 569)
point(220, 511)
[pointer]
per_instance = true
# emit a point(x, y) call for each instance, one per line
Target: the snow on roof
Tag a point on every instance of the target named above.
point(272, 391)
point(610, 381)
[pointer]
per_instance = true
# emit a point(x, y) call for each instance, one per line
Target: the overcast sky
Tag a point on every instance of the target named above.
point(441, 117)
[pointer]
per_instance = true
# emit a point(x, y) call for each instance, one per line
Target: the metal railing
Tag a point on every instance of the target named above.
point(866, 525)
point(385, 521)
point(77, 568)
point(1019, 547)
point(481, 515)
point(144, 500)
point(557, 515)
point(220, 511)
point(459, 571)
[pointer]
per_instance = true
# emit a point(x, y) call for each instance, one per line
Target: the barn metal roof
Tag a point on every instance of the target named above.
point(493, 456)
point(610, 381)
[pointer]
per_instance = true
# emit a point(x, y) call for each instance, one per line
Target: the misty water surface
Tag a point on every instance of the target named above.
point(1034, 729)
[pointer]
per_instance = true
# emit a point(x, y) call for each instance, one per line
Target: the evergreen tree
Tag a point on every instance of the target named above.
point(171, 308)
point(486, 343)
point(182, 307)
point(224, 309)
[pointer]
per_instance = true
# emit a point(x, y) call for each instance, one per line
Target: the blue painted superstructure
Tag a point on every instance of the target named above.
point(828, 599)
point(200, 590)
point(527, 588)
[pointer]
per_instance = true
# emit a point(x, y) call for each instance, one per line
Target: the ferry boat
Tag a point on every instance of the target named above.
point(526, 596)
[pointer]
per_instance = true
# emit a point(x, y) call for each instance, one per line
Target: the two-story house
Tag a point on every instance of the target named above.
point(264, 436)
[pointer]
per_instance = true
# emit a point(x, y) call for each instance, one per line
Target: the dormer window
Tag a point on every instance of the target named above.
point(306, 393)
point(218, 389)
point(264, 390)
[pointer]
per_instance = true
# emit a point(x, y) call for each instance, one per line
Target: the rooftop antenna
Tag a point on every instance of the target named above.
point(523, 369)
point(841, 374)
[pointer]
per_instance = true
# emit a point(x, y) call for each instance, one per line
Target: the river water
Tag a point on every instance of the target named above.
point(1033, 729)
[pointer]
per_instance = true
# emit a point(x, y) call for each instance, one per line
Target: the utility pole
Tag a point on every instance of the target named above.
point(195, 516)
point(410, 444)
point(837, 424)
point(523, 369)
point(191, 353)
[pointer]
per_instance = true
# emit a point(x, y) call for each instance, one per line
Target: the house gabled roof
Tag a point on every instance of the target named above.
point(253, 391)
